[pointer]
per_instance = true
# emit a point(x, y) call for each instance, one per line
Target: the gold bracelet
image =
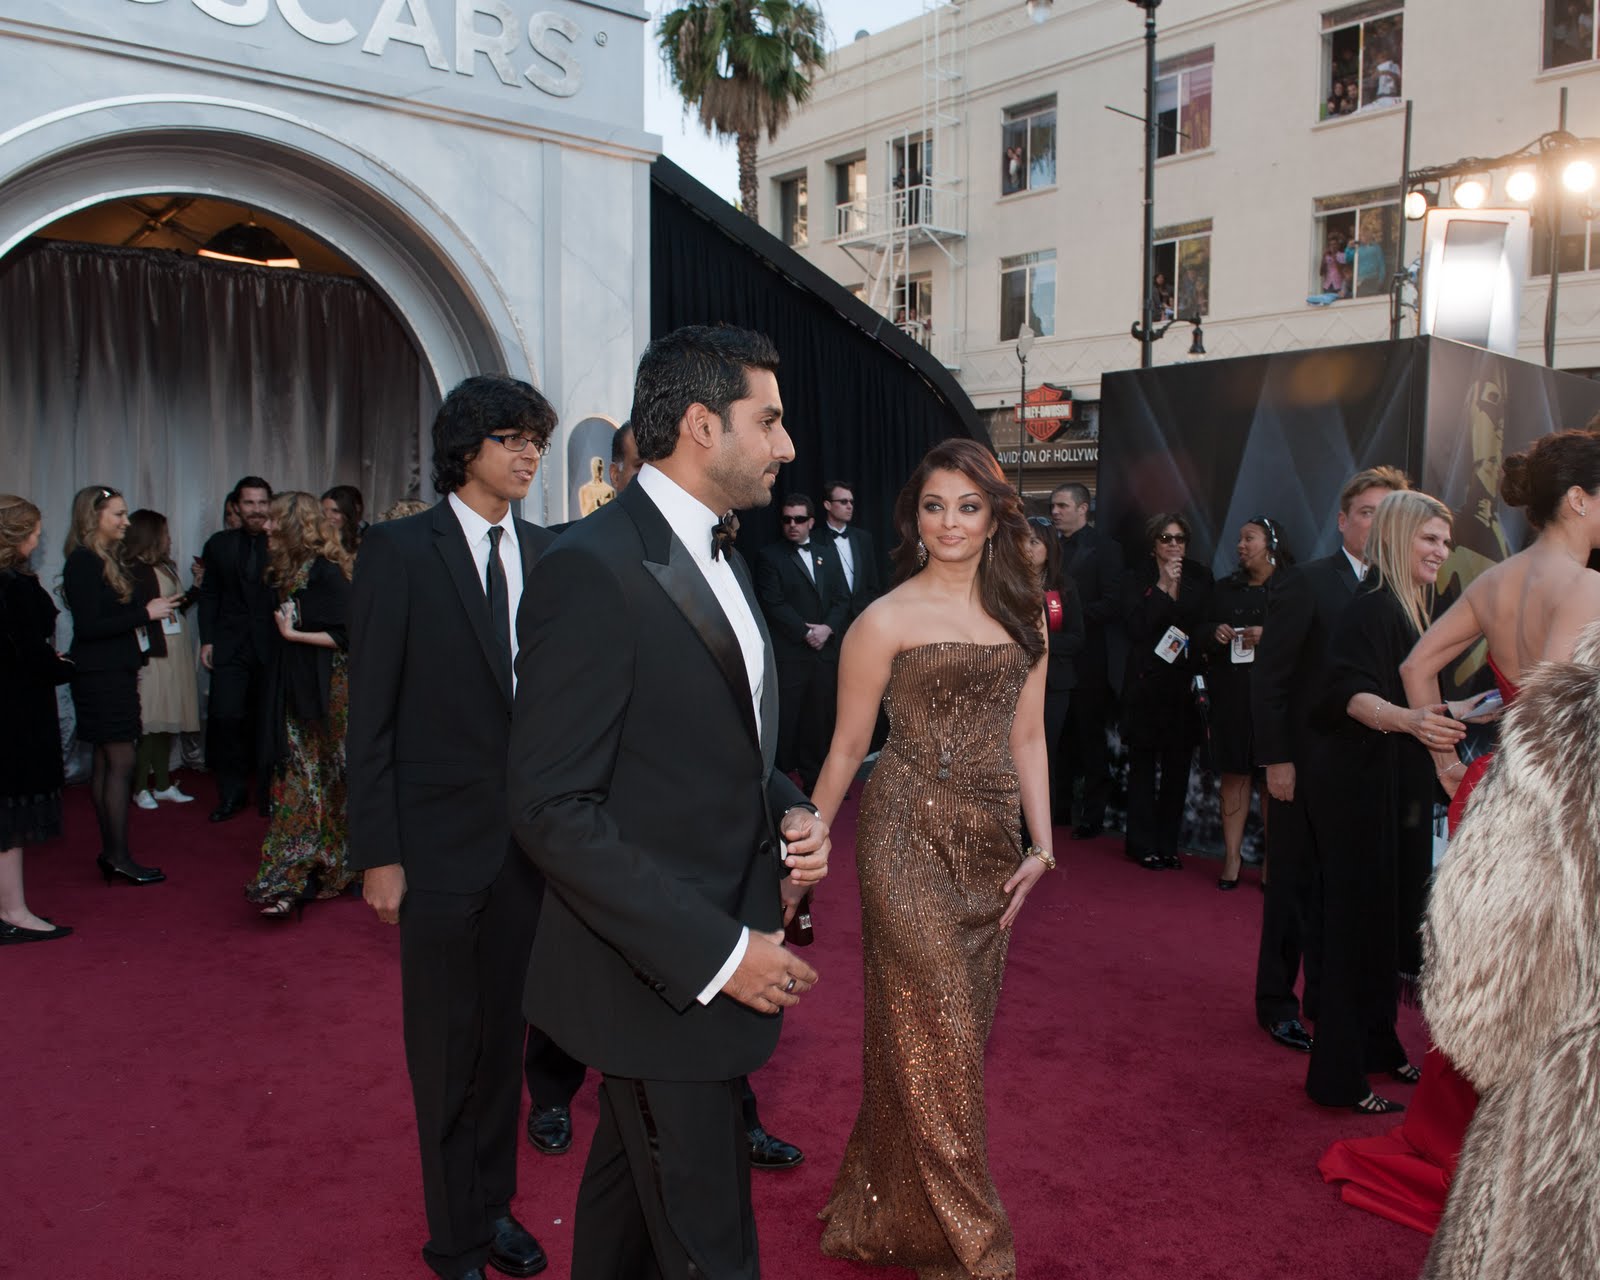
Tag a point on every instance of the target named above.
point(1044, 856)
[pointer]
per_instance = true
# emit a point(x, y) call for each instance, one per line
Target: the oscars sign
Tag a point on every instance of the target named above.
point(1046, 411)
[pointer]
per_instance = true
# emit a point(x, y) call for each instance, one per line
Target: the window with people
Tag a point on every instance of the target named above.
point(913, 312)
point(792, 200)
point(1028, 147)
point(1362, 50)
point(911, 163)
point(1358, 242)
point(1569, 27)
point(1182, 280)
point(850, 196)
point(1028, 292)
point(1183, 103)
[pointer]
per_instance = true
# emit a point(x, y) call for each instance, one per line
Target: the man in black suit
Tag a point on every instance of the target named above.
point(642, 784)
point(237, 636)
point(858, 556)
point(1290, 672)
point(438, 610)
point(800, 584)
point(1094, 562)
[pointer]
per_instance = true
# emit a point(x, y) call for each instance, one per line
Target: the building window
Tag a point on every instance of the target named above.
point(1362, 50)
point(1028, 147)
point(911, 163)
point(1568, 33)
point(1358, 243)
point(1580, 240)
point(1183, 103)
point(1182, 281)
point(792, 210)
point(1028, 291)
point(850, 196)
point(913, 312)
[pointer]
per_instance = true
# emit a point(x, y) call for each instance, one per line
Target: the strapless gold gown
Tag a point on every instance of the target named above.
point(938, 836)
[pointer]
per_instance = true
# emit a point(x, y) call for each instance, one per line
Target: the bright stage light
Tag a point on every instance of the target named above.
point(1578, 177)
point(1471, 193)
point(1522, 186)
point(1416, 205)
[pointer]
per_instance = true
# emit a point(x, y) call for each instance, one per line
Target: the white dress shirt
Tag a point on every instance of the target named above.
point(691, 520)
point(847, 556)
point(805, 562)
point(477, 530)
point(1360, 566)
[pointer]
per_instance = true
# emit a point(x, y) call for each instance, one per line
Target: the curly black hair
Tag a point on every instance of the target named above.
point(480, 406)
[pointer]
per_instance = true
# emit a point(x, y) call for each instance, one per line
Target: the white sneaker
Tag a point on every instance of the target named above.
point(144, 800)
point(173, 794)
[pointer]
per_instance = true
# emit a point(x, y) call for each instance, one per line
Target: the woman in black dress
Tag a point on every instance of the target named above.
point(1064, 616)
point(1234, 620)
point(110, 638)
point(1163, 605)
point(30, 746)
point(1371, 789)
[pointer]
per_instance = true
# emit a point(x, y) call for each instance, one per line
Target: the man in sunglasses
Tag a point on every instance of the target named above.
point(858, 556)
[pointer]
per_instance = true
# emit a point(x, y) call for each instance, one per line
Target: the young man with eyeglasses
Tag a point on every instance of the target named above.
point(858, 556)
point(436, 614)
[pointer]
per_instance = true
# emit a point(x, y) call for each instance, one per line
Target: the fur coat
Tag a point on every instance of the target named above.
point(1511, 987)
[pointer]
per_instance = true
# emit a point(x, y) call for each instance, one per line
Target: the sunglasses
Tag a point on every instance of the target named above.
point(103, 496)
point(1169, 538)
point(794, 519)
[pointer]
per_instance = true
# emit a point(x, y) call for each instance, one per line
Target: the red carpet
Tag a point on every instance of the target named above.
point(190, 1090)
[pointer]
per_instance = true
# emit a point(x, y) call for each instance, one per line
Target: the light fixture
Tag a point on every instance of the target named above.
point(1039, 10)
point(1522, 186)
point(1418, 202)
point(251, 244)
point(1024, 340)
point(1578, 177)
point(1470, 193)
point(1198, 346)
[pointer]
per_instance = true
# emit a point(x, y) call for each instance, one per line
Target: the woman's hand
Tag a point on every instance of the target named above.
point(161, 607)
point(1450, 777)
point(1022, 880)
point(1224, 634)
point(1171, 575)
point(1251, 636)
point(285, 620)
point(1433, 727)
point(1467, 709)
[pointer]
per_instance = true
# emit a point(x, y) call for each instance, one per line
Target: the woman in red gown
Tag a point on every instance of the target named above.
point(1530, 608)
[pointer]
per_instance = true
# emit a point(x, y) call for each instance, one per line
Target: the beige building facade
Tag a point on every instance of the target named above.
point(974, 169)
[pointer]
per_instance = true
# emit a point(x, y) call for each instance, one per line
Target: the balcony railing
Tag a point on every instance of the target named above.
point(926, 207)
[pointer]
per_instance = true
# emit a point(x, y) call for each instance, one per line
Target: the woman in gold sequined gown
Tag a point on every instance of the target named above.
point(956, 650)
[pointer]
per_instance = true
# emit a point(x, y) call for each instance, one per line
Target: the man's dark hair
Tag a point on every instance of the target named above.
point(698, 364)
point(1079, 493)
point(480, 406)
point(828, 486)
point(800, 500)
point(617, 436)
point(250, 482)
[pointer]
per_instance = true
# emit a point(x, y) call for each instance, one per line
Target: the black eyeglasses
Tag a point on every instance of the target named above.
point(1170, 538)
point(794, 519)
point(520, 443)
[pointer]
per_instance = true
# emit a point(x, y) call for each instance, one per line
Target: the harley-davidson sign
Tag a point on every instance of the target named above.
point(1046, 409)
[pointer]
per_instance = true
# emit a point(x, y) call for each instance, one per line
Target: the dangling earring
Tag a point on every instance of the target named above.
point(989, 554)
point(922, 554)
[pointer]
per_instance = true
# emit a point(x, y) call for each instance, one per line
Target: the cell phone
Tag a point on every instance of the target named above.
point(1488, 707)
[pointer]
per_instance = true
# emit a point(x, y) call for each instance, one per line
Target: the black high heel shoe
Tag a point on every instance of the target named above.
point(283, 908)
point(128, 871)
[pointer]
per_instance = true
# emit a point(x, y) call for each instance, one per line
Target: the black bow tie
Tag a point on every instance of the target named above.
point(804, 546)
point(723, 534)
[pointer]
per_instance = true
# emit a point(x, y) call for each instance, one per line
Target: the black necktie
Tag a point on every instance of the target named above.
point(722, 535)
point(252, 559)
point(499, 601)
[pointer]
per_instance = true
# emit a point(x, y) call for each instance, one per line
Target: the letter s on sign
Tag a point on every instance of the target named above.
point(542, 30)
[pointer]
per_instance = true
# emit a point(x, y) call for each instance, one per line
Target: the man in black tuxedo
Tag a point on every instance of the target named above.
point(237, 636)
point(642, 784)
point(863, 575)
point(1094, 562)
point(438, 610)
point(1290, 673)
point(800, 584)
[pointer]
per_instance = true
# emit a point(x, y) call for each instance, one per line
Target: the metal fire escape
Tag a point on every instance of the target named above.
point(924, 202)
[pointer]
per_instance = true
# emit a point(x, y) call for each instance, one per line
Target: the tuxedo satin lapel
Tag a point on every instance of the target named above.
point(769, 669)
point(451, 544)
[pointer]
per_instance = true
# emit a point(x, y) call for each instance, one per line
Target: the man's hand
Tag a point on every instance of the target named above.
point(205, 656)
point(1280, 782)
point(809, 845)
point(769, 977)
point(818, 634)
point(793, 895)
point(384, 888)
point(1224, 634)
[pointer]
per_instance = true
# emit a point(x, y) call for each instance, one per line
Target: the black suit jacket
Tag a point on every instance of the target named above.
point(1291, 665)
point(791, 600)
point(642, 786)
point(104, 628)
point(430, 712)
point(1094, 563)
point(236, 607)
point(864, 558)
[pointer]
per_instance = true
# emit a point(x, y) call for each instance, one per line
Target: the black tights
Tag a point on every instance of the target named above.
point(111, 787)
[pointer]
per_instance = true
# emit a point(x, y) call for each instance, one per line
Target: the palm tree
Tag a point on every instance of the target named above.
point(744, 64)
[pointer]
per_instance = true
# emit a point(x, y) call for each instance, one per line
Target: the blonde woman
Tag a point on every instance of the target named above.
point(30, 746)
point(169, 693)
point(1371, 788)
point(304, 855)
point(110, 636)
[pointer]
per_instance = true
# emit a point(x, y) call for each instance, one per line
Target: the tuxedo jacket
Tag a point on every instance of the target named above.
point(1291, 665)
point(642, 786)
point(235, 606)
point(791, 598)
point(430, 707)
point(864, 556)
point(1094, 563)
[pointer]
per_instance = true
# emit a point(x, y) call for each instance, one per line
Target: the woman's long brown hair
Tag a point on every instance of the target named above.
point(303, 534)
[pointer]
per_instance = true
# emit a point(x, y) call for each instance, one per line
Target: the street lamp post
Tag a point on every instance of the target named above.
point(1024, 345)
point(1147, 306)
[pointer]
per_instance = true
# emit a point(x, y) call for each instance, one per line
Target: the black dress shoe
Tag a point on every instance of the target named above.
point(476, 1273)
point(513, 1250)
point(11, 934)
point(1291, 1034)
point(550, 1129)
point(767, 1152)
point(226, 810)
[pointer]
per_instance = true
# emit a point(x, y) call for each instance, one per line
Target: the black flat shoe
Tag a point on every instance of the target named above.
point(1150, 861)
point(1226, 885)
point(767, 1152)
point(128, 871)
point(1373, 1105)
point(1291, 1034)
point(1407, 1074)
point(550, 1130)
point(1171, 862)
point(514, 1251)
point(226, 810)
point(12, 934)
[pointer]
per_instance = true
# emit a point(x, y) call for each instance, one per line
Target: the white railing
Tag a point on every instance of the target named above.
point(924, 206)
